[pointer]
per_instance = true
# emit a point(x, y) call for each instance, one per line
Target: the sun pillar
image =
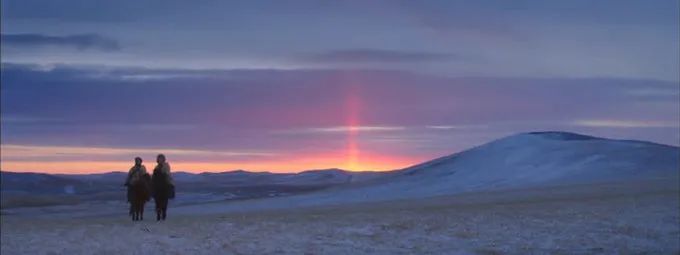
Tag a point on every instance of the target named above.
point(353, 107)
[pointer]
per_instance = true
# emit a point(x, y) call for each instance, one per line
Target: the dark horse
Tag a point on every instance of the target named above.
point(141, 193)
point(162, 191)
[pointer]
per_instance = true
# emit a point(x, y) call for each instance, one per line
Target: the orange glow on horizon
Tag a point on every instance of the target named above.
point(374, 163)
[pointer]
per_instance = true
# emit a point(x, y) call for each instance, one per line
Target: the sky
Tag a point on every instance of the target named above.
point(287, 86)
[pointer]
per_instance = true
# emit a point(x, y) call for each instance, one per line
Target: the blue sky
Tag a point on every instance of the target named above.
point(269, 84)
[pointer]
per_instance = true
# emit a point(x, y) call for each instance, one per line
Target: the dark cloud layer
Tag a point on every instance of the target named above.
point(378, 56)
point(79, 41)
point(624, 39)
point(296, 110)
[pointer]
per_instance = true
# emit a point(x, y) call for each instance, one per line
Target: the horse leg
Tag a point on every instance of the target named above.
point(137, 211)
point(141, 211)
point(158, 209)
point(133, 209)
point(129, 193)
point(165, 208)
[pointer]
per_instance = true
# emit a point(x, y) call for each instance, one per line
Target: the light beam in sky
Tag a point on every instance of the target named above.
point(353, 105)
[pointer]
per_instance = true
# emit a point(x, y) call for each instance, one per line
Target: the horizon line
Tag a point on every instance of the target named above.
point(403, 166)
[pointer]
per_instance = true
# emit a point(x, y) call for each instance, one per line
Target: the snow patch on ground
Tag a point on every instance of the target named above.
point(591, 219)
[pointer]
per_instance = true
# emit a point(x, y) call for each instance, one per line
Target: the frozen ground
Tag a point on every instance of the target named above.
point(532, 193)
point(614, 218)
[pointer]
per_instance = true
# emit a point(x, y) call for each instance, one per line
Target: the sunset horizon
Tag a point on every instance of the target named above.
point(340, 127)
point(320, 162)
point(349, 161)
point(358, 86)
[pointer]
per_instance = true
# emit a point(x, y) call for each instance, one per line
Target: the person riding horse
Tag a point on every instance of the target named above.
point(163, 187)
point(138, 183)
point(134, 175)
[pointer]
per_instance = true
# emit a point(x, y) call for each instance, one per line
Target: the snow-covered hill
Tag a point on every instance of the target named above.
point(39, 183)
point(35, 189)
point(317, 177)
point(543, 158)
point(243, 178)
point(520, 161)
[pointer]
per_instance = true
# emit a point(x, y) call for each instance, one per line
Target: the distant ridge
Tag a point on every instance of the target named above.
point(524, 160)
point(530, 158)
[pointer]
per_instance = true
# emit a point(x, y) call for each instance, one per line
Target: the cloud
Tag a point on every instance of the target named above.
point(25, 119)
point(668, 93)
point(378, 56)
point(457, 127)
point(626, 124)
point(77, 41)
point(10, 151)
point(237, 110)
point(344, 129)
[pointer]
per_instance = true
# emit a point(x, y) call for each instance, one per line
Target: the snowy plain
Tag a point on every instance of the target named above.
point(533, 193)
point(620, 218)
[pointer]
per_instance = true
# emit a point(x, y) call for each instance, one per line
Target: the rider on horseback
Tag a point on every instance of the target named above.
point(134, 175)
point(163, 186)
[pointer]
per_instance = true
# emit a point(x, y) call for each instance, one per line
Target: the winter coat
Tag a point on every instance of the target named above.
point(165, 169)
point(135, 174)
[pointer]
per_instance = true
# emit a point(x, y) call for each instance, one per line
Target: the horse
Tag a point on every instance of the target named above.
point(162, 191)
point(141, 193)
